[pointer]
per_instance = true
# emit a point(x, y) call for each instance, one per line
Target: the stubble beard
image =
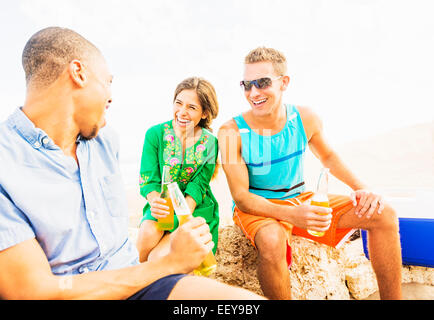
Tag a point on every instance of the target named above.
point(92, 134)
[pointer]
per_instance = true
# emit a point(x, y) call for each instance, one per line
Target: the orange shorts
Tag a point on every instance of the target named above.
point(334, 237)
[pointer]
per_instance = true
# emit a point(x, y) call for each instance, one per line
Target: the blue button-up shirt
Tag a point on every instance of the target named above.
point(77, 213)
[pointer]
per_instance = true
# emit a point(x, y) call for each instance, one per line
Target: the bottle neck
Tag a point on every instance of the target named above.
point(322, 186)
point(183, 218)
point(164, 191)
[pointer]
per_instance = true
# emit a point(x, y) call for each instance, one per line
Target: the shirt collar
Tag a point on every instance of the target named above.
point(34, 136)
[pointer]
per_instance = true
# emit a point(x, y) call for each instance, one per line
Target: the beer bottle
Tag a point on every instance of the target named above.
point(166, 223)
point(320, 197)
point(209, 264)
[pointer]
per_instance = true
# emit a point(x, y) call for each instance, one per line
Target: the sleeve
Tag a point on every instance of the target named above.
point(14, 225)
point(199, 184)
point(150, 177)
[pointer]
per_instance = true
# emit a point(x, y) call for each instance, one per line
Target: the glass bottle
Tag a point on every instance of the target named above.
point(209, 264)
point(166, 223)
point(320, 197)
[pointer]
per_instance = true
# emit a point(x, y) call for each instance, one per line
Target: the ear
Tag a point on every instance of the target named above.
point(204, 115)
point(285, 82)
point(77, 73)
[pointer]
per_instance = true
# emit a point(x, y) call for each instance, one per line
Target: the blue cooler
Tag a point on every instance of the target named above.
point(416, 228)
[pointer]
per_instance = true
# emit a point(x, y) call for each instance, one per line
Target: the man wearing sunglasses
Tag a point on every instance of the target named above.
point(262, 156)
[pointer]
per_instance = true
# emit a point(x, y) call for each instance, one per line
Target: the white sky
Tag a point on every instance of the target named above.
point(365, 66)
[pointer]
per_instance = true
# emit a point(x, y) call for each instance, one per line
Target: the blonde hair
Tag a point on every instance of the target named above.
point(207, 98)
point(274, 56)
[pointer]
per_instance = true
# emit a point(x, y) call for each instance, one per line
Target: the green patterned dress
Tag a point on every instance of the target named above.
point(193, 173)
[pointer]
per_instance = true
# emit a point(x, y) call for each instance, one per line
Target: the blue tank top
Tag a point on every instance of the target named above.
point(275, 163)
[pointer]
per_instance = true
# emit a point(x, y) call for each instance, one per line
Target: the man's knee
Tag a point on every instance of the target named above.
point(271, 242)
point(387, 220)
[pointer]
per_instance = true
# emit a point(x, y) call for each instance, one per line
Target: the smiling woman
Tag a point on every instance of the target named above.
point(204, 97)
point(187, 112)
point(187, 147)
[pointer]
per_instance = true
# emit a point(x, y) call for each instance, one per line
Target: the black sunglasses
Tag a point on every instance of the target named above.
point(261, 83)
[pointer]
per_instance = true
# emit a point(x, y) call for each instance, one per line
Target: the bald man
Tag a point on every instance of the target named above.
point(63, 213)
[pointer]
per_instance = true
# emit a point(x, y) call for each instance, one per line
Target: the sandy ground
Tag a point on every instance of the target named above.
point(399, 164)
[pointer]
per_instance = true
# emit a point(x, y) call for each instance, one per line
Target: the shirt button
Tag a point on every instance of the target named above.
point(45, 140)
point(83, 269)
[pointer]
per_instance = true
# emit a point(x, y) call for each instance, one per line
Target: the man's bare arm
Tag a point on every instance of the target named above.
point(367, 200)
point(237, 175)
point(323, 151)
point(25, 272)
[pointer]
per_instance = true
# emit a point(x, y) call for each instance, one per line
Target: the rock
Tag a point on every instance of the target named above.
point(315, 272)
point(359, 276)
point(418, 274)
point(236, 260)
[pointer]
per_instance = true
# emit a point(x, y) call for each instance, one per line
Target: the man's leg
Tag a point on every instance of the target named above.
point(272, 269)
point(384, 248)
point(202, 288)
